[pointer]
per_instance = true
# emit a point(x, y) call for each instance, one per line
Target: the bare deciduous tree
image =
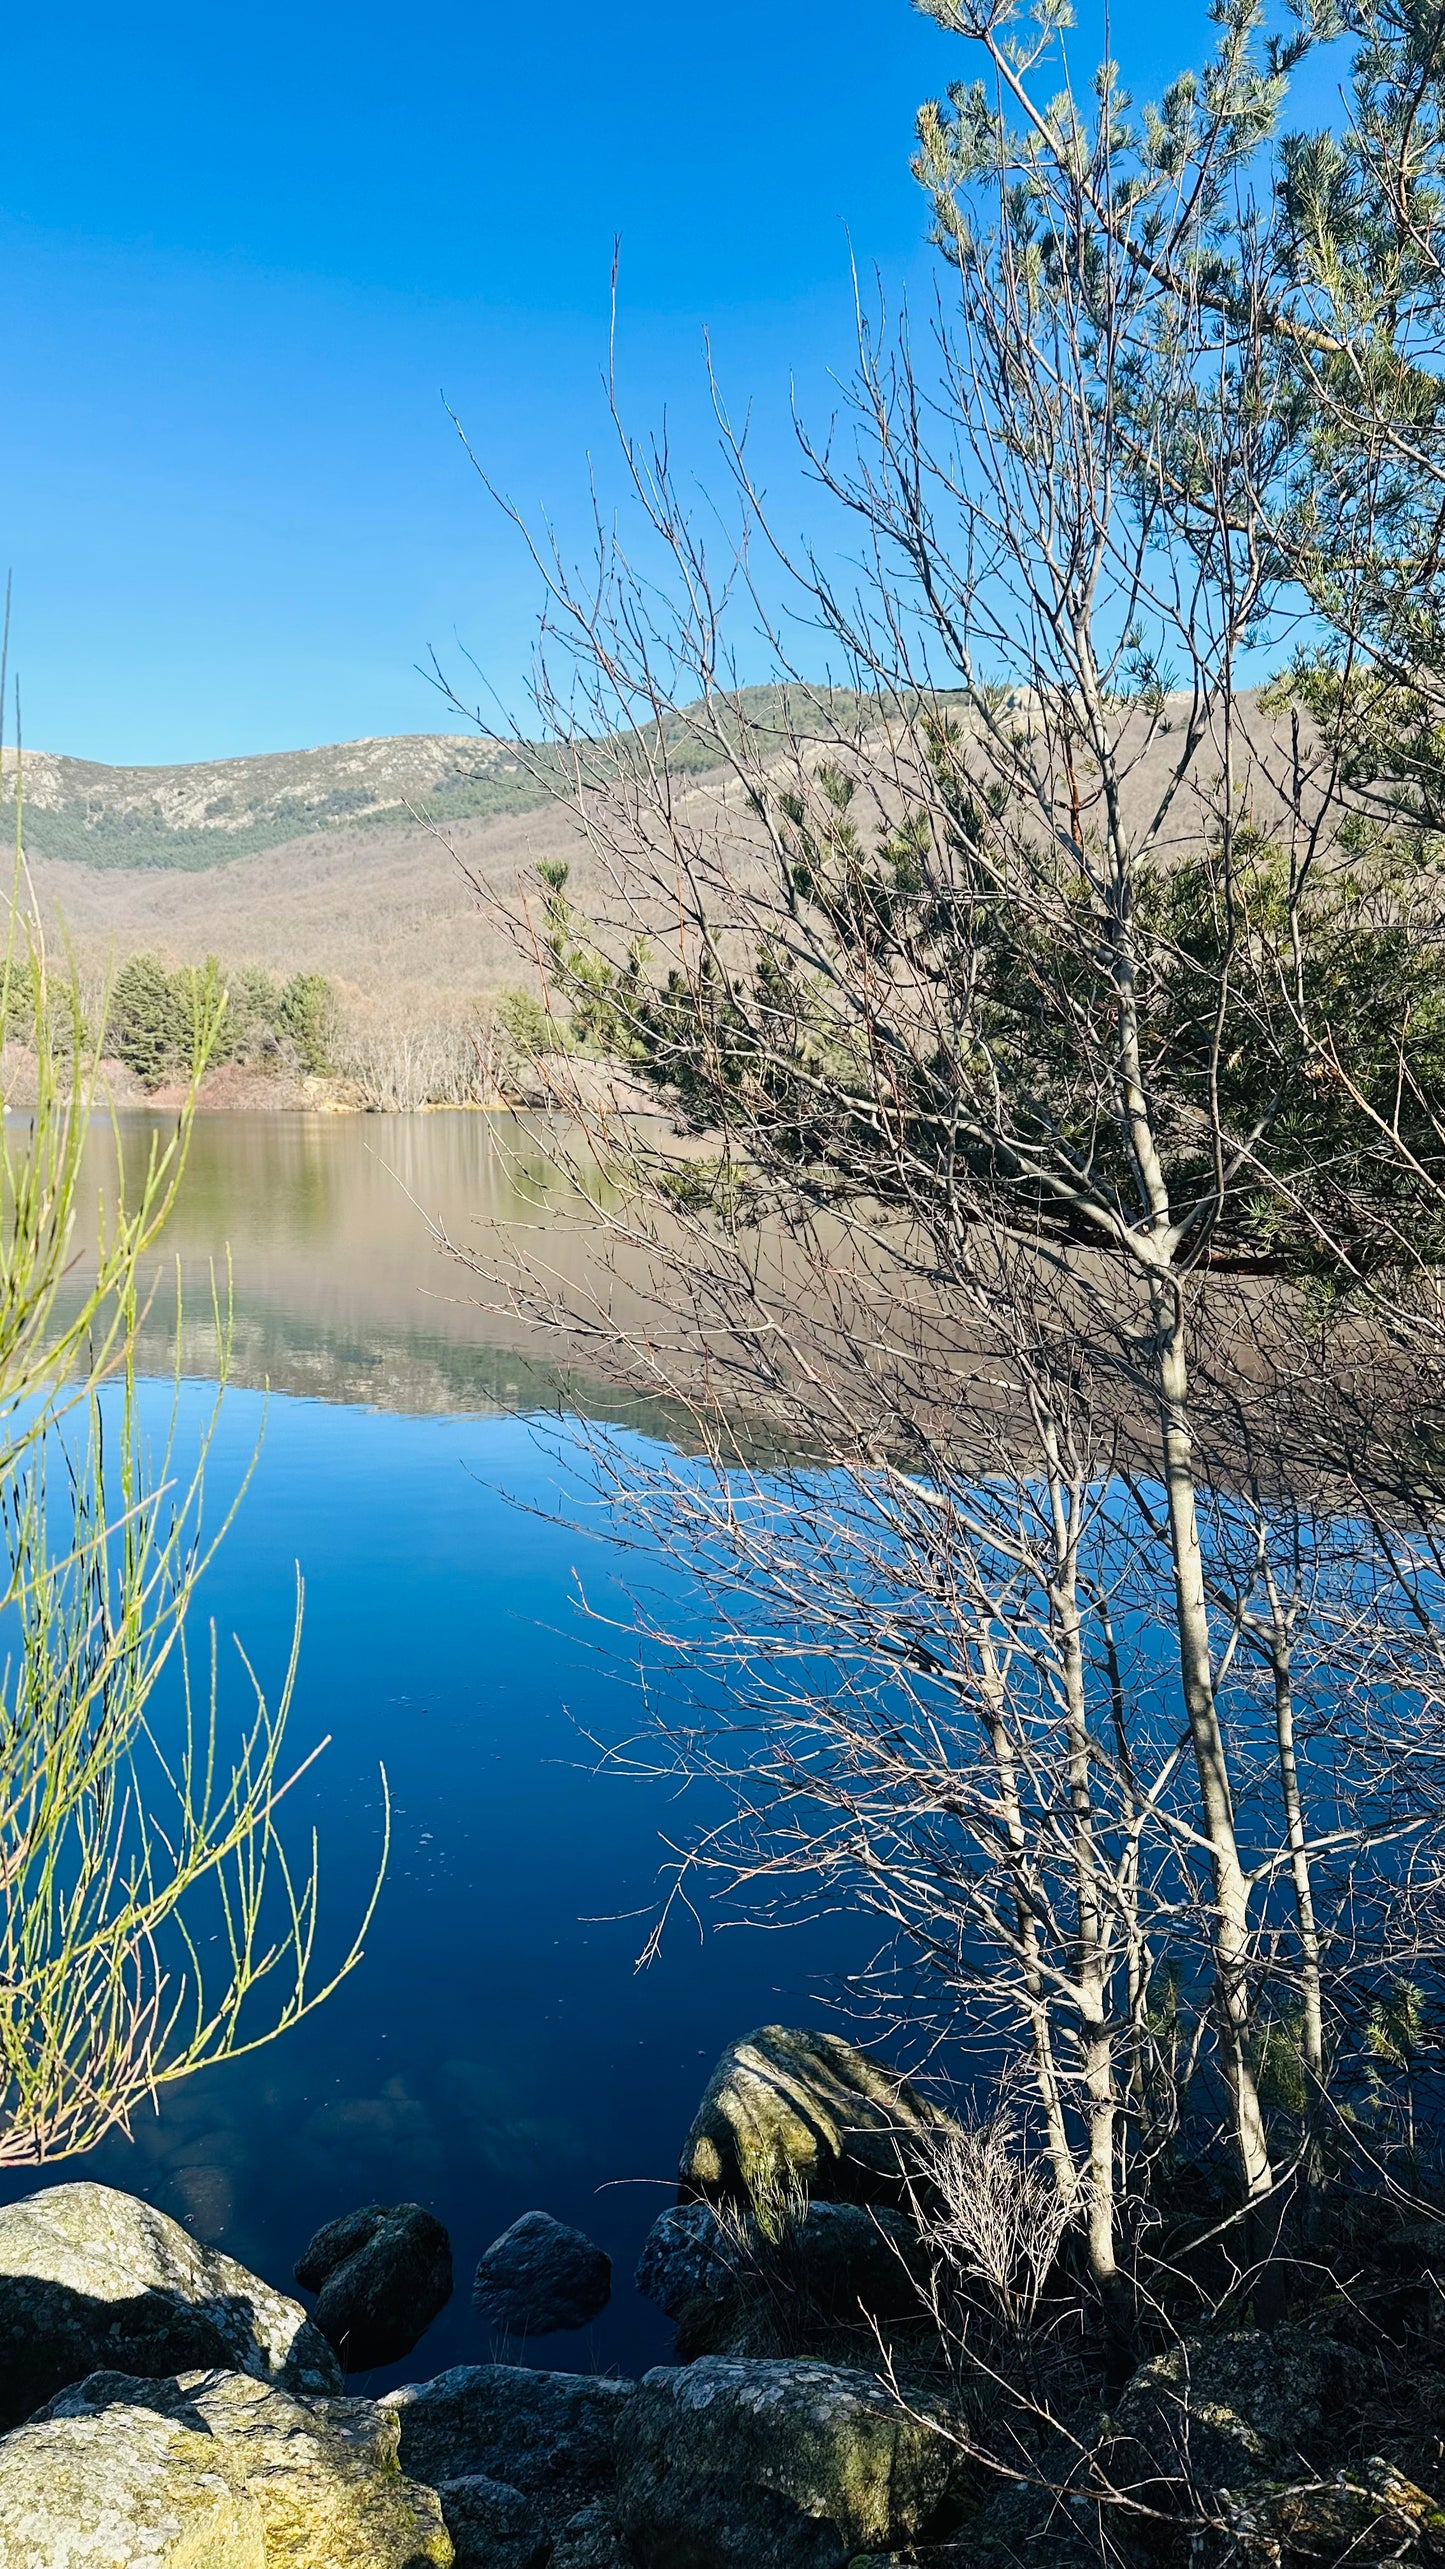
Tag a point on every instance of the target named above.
point(1047, 1044)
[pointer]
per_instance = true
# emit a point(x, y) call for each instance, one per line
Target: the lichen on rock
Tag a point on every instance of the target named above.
point(784, 2465)
point(320, 2477)
point(92, 2279)
point(788, 2109)
point(123, 2488)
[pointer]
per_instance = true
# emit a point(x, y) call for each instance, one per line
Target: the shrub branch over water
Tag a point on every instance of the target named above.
point(130, 1839)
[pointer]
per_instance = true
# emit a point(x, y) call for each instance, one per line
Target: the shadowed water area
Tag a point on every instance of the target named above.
point(496, 2049)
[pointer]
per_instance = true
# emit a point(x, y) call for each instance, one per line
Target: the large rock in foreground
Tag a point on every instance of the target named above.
point(782, 2465)
point(313, 2484)
point(542, 2275)
point(122, 2486)
point(786, 2109)
point(381, 2276)
point(551, 2435)
point(91, 2279)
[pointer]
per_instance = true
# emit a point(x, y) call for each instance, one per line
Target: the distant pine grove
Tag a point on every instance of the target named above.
point(153, 1015)
point(151, 1018)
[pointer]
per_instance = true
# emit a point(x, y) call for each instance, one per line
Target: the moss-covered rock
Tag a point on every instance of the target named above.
point(1372, 2515)
point(782, 2465)
point(93, 2279)
point(123, 2488)
point(320, 2477)
point(549, 2434)
point(1223, 2412)
point(788, 2109)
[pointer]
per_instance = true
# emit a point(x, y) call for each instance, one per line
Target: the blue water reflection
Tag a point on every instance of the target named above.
point(496, 2049)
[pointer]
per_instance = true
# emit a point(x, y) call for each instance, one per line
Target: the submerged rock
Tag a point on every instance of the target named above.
point(493, 2526)
point(552, 2435)
point(381, 2276)
point(91, 2278)
point(219, 2470)
point(786, 2110)
point(784, 2465)
point(542, 2275)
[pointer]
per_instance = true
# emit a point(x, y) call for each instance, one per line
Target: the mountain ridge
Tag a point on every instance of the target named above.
point(206, 812)
point(192, 816)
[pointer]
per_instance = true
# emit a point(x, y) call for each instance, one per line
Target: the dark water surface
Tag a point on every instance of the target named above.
point(496, 2049)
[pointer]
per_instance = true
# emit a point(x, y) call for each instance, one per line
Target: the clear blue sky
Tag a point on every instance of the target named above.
point(244, 252)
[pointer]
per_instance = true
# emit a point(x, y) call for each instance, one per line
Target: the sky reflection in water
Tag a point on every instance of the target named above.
point(496, 2048)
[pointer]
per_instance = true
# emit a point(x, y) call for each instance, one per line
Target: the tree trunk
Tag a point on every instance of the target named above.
point(1312, 2030)
point(1231, 1932)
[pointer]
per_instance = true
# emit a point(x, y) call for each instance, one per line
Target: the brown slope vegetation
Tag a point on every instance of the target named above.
point(386, 911)
point(391, 910)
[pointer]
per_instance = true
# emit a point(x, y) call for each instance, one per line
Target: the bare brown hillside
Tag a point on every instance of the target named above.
point(386, 911)
point(385, 908)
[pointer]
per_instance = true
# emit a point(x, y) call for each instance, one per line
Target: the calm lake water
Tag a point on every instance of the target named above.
point(497, 2047)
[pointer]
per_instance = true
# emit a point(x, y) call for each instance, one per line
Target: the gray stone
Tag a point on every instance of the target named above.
point(686, 2257)
point(335, 2241)
point(91, 2278)
point(551, 2435)
point(542, 2275)
point(319, 2477)
point(588, 2540)
point(733, 2290)
point(1222, 2412)
point(380, 2277)
point(493, 2526)
point(124, 2488)
point(788, 2109)
point(784, 2465)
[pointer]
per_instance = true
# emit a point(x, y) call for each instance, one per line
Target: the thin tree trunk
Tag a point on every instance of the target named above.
point(1046, 2071)
point(1312, 2030)
point(1091, 1962)
point(1232, 1942)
